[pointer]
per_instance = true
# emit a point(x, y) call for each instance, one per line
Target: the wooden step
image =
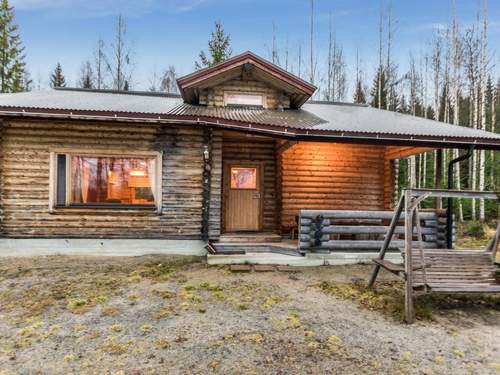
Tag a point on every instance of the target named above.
point(250, 237)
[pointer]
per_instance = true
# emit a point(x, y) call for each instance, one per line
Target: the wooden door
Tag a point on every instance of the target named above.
point(243, 197)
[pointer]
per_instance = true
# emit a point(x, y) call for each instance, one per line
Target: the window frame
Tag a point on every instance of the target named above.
point(54, 178)
point(228, 93)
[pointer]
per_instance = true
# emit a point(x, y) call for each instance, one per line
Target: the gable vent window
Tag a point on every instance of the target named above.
point(244, 100)
point(95, 181)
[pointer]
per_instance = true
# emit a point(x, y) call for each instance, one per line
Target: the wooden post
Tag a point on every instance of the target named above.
point(439, 175)
point(409, 309)
point(493, 245)
point(387, 239)
point(420, 246)
point(206, 183)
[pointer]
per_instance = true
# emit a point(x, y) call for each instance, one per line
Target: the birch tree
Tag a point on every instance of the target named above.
point(483, 74)
point(472, 57)
point(456, 77)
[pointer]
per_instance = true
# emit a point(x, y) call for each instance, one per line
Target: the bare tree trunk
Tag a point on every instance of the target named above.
point(274, 52)
point(100, 63)
point(424, 170)
point(457, 60)
point(329, 94)
point(412, 162)
point(380, 52)
point(493, 125)
point(484, 67)
point(436, 65)
point(300, 60)
point(311, 43)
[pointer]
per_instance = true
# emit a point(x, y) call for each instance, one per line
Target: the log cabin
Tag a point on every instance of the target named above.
point(239, 152)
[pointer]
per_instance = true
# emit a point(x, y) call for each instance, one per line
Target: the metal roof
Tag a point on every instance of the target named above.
point(365, 119)
point(335, 121)
point(287, 118)
point(90, 100)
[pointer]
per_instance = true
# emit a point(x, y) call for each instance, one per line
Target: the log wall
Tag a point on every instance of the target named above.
point(25, 148)
point(261, 150)
point(323, 176)
point(214, 96)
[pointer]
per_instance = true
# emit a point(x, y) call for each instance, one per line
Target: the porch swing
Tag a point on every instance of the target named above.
point(438, 270)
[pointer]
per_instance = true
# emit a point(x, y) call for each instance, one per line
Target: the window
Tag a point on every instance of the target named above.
point(238, 99)
point(106, 180)
point(243, 178)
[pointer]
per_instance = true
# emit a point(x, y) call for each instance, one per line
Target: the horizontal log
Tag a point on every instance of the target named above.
point(456, 194)
point(356, 214)
point(361, 244)
point(361, 229)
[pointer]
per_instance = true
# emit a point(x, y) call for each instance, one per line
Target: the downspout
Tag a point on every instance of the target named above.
point(449, 211)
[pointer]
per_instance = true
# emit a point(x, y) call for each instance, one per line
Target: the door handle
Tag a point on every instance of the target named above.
point(256, 195)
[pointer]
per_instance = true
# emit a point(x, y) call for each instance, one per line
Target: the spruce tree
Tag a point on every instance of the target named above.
point(381, 79)
point(12, 65)
point(57, 77)
point(359, 94)
point(87, 76)
point(218, 48)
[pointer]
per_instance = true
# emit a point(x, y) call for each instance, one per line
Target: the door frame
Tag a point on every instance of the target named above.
point(226, 181)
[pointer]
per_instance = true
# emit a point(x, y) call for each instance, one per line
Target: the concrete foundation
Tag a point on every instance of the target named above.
point(310, 260)
point(98, 247)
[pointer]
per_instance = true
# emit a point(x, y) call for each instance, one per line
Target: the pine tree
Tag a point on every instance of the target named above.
point(218, 48)
point(379, 90)
point(12, 65)
point(57, 77)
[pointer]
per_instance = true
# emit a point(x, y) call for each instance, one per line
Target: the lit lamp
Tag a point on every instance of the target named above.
point(138, 178)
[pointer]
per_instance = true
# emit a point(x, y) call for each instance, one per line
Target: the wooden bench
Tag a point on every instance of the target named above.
point(349, 230)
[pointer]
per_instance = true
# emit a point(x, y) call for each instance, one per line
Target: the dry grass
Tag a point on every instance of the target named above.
point(148, 314)
point(78, 284)
point(388, 298)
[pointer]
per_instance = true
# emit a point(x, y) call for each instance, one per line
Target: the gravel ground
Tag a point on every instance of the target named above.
point(174, 315)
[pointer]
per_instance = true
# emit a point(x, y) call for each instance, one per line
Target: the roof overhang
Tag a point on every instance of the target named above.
point(298, 89)
point(248, 127)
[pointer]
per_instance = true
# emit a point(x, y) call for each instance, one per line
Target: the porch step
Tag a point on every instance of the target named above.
point(243, 248)
point(250, 237)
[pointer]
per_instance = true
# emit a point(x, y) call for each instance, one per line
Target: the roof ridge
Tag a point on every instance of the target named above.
point(110, 91)
point(337, 103)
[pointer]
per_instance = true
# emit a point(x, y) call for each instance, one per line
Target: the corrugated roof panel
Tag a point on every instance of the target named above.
point(324, 117)
point(287, 118)
point(89, 101)
point(364, 119)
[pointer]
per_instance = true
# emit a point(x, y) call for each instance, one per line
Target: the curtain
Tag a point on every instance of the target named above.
point(85, 179)
point(152, 177)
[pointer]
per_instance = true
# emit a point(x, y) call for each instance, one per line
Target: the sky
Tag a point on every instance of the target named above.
point(172, 32)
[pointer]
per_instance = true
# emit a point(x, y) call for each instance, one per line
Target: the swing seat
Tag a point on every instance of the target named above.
point(457, 271)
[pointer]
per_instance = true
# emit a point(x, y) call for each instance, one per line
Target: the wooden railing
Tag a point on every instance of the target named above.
point(335, 230)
